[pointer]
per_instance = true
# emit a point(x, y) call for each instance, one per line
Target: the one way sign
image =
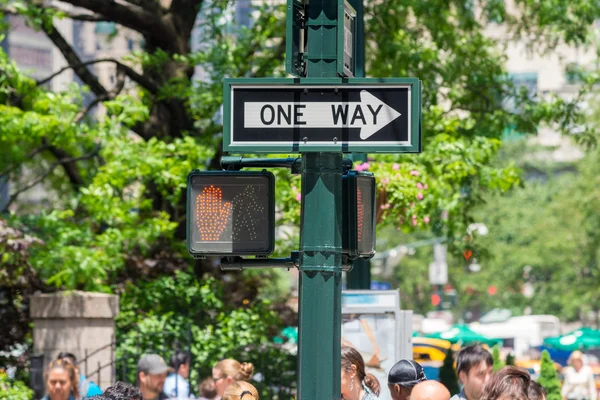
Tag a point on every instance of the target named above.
point(300, 115)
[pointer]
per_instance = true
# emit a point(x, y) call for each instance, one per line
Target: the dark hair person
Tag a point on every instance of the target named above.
point(177, 384)
point(474, 367)
point(61, 381)
point(510, 383)
point(536, 391)
point(119, 391)
point(356, 383)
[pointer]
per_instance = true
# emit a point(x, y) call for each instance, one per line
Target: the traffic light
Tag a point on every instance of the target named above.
point(230, 213)
point(358, 238)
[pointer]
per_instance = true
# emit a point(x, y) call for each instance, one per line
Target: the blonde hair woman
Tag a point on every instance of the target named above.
point(579, 380)
point(240, 391)
point(227, 371)
point(62, 381)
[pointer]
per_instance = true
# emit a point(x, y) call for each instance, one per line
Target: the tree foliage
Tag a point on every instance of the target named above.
point(13, 390)
point(114, 211)
point(549, 377)
point(448, 374)
point(181, 312)
point(498, 364)
point(18, 281)
point(510, 359)
point(542, 235)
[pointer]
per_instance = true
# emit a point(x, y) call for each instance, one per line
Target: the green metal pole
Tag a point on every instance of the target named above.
point(320, 289)
point(360, 276)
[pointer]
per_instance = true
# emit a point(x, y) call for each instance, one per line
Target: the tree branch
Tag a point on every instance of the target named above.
point(27, 157)
point(73, 59)
point(52, 167)
point(142, 80)
point(131, 16)
point(148, 4)
point(86, 17)
point(186, 11)
point(81, 114)
point(69, 163)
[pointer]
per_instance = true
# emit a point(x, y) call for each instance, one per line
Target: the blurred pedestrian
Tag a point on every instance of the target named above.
point(430, 390)
point(536, 391)
point(62, 382)
point(474, 367)
point(207, 389)
point(240, 390)
point(151, 375)
point(356, 383)
point(87, 388)
point(510, 383)
point(227, 371)
point(177, 385)
point(579, 380)
point(403, 377)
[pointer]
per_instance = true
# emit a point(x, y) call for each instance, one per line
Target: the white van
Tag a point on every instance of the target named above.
point(520, 333)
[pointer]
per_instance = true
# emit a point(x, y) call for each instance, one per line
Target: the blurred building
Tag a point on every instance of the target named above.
point(544, 73)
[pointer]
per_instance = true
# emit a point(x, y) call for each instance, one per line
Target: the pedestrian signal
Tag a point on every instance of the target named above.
point(230, 213)
point(358, 239)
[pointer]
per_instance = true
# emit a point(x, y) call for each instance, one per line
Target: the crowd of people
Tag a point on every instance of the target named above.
point(230, 380)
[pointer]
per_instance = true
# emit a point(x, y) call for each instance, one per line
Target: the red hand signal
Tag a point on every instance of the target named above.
point(212, 213)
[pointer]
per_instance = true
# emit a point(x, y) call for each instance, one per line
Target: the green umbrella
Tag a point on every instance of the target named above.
point(462, 334)
point(584, 338)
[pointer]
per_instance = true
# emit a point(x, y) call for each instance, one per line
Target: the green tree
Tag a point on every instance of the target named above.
point(13, 390)
point(448, 374)
point(549, 377)
point(510, 359)
point(548, 225)
point(115, 209)
point(118, 201)
point(498, 364)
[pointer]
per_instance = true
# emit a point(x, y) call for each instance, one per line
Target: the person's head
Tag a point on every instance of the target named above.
point(180, 362)
point(207, 388)
point(152, 372)
point(227, 371)
point(536, 391)
point(430, 390)
point(122, 391)
point(474, 367)
point(240, 390)
point(61, 380)
point(403, 377)
point(510, 383)
point(354, 374)
point(576, 360)
point(64, 355)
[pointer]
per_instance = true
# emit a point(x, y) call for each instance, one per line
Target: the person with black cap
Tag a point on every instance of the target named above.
point(403, 376)
point(151, 373)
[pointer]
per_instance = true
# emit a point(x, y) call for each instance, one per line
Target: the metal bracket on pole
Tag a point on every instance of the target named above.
point(236, 163)
point(238, 263)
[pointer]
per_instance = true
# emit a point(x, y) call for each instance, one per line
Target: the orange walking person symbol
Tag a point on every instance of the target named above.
point(212, 213)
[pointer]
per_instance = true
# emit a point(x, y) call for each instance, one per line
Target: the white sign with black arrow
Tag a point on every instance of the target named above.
point(348, 116)
point(370, 115)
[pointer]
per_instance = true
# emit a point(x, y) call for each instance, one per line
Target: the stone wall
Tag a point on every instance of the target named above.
point(81, 323)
